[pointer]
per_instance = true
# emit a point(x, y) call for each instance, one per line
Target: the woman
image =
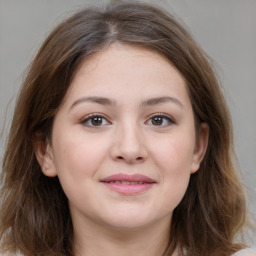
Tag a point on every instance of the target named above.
point(121, 144)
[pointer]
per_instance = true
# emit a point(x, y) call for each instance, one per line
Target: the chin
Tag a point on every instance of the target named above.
point(128, 225)
point(131, 221)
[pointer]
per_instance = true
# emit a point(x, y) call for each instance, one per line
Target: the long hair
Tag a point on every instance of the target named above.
point(34, 216)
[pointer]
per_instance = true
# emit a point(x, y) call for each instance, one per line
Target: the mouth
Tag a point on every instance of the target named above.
point(128, 184)
point(125, 182)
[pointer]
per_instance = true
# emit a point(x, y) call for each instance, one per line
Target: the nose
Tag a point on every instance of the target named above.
point(129, 145)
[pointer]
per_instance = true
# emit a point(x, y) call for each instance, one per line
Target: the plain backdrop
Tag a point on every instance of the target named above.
point(225, 29)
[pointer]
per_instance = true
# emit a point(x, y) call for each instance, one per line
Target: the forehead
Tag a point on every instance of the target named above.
point(127, 68)
point(119, 56)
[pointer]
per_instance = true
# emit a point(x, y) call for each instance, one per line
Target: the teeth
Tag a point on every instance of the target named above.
point(127, 182)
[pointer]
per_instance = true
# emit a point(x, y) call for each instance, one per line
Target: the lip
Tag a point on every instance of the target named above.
point(128, 184)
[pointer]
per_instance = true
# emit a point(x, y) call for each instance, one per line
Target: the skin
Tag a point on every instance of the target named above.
point(133, 135)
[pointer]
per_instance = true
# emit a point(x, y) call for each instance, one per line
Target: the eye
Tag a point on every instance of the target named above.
point(160, 120)
point(95, 120)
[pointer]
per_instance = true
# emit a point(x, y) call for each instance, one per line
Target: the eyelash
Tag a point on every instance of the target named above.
point(169, 119)
point(90, 117)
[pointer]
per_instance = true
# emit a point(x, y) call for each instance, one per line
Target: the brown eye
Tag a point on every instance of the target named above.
point(157, 120)
point(95, 121)
point(160, 120)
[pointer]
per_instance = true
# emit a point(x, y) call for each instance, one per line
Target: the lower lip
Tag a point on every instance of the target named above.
point(129, 189)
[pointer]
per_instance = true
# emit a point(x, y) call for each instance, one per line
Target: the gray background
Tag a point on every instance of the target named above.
point(226, 29)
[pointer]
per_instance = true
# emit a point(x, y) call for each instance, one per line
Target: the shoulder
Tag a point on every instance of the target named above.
point(15, 254)
point(246, 252)
point(8, 254)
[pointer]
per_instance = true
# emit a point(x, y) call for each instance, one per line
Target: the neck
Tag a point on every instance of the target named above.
point(105, 241)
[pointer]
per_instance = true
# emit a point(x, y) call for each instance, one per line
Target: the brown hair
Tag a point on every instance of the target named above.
point(35, 218)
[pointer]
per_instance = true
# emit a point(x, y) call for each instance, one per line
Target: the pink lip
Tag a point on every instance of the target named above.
point(128, 184)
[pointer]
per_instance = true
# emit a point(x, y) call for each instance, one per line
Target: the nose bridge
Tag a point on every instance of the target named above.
point(129, 144)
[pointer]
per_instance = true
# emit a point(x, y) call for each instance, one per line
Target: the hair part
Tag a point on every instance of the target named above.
point(35, 218)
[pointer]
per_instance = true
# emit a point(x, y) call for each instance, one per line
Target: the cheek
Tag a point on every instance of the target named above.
point(77, 154)
point(175, 156)
point(76, 160)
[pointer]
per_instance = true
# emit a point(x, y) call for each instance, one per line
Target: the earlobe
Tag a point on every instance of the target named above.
point(200, 147)
point(44, 156)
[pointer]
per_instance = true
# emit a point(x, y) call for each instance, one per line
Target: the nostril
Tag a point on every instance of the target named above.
point(136, 159)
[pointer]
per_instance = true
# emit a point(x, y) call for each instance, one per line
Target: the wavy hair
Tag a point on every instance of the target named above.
point(35, 217)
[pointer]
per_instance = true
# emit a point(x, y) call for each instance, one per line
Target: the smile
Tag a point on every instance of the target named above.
point(128, 184)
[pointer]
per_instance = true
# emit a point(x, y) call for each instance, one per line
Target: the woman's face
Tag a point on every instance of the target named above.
point(123, 142)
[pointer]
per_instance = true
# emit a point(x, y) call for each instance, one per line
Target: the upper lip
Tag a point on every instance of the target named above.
point(128, 177)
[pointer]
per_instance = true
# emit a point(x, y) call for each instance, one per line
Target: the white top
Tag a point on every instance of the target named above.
point(246, 252)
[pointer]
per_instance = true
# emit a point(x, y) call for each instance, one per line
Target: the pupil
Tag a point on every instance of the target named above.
point(96, 121)
point(157, 120)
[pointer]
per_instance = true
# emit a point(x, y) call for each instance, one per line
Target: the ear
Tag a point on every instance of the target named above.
point(200, 146)
point(44, 156)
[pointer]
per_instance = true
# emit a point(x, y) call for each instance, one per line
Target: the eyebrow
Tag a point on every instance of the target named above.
point(160, 100)
point(99, 100)
point(111, 102)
